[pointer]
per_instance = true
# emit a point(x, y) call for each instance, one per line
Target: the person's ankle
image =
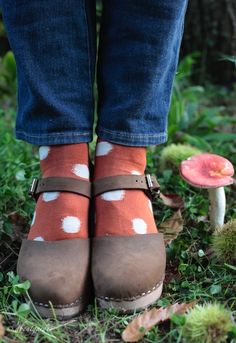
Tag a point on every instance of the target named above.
point(62, 215)
point(122, 212)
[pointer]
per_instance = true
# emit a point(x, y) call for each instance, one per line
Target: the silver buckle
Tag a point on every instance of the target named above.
point(154, 191)
point(33, 187)
point(149, 181)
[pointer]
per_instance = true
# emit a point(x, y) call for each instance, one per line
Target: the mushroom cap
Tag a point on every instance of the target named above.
point(207, 171)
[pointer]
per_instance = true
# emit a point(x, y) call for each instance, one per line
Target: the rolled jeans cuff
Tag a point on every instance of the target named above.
point(132, 139)
point(55, 138)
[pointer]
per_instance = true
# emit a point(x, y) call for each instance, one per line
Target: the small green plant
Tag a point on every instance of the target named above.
point(209, 323)
point(224, 242)
point(8, 74)
point(173, 154)
point(193, 117)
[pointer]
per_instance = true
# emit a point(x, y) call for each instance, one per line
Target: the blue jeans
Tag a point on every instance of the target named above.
point(54, 43)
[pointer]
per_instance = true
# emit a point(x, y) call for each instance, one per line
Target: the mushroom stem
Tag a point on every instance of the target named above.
point(217, 210)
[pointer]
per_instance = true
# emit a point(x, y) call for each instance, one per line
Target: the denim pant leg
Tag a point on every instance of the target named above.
point(54, 45)
point(138, 54)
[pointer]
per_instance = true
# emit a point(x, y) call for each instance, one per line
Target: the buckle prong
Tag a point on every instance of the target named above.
point(154, 191)
point(33, 187)
point(149, 181)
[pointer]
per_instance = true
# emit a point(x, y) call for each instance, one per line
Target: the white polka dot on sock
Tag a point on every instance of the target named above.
point(150, 205)
point(81, 170)
point(43, 152)
point(50, 196)
point(113, 195)
point(103, 148)
point(70, 224)
point(33, 220)
point(39, 238)
point(139, 226)
point(135, 172)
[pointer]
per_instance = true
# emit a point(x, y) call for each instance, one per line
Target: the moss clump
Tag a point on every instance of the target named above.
point(209, 323)
point(174, 154)
point(224, 242)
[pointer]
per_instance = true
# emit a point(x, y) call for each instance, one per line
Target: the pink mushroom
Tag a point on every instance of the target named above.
point(212, 172)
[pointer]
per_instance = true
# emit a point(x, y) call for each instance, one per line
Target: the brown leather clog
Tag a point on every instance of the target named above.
point(59, 271)
point(128, 271)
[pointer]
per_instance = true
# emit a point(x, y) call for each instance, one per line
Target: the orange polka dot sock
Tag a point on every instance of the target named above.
point(122, 212)
point(62, 215)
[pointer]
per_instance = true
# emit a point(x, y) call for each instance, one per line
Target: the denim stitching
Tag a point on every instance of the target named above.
point(130, 135)
point(53, 135)
point(52, 139)
point(132, 140)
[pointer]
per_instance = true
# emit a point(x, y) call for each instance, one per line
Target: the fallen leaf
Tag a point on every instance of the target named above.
point(145, 321)
point(172, 227)
point(172, 200)
point(2, 329)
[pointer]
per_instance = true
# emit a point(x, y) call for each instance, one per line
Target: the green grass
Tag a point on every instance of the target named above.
point(192, 270)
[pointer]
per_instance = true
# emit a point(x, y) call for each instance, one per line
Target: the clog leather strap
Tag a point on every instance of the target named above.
point(147, 183)
point(59, 184)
